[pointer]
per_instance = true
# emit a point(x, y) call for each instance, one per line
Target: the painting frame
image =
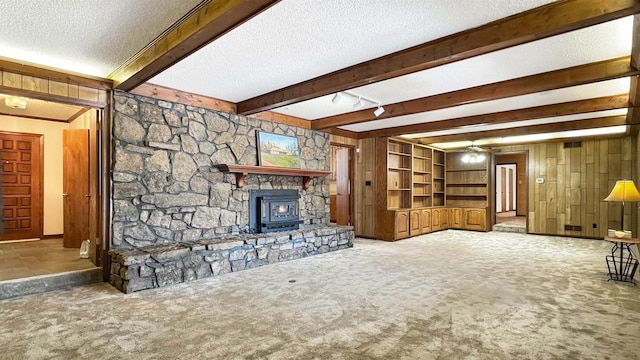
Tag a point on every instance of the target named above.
point(277, 150)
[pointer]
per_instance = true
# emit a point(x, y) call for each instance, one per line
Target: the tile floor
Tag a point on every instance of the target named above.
point(41, 257)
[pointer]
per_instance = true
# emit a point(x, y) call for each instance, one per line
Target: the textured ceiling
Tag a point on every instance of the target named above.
point(91, 37)
point(297, 40)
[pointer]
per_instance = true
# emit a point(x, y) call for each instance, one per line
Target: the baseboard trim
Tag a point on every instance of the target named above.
point(54, 236)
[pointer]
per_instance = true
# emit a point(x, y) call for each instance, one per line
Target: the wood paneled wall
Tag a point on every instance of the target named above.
point(576, 180)
point(47, 89)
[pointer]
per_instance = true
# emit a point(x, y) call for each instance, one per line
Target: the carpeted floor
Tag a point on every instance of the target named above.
point(447, 295)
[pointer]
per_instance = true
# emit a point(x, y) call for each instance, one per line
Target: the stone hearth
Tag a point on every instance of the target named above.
point(158, 266)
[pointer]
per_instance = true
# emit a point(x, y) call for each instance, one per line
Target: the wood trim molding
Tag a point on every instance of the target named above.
point(573, 76)
point(548, 20)
point(242, 171)
point(342, 132)
point(56, 75)
point(528, 130)
point(201, 26)
point(183, 97)
point(53, 97)
point(283, 119)
point(34, 117)
point(537, 112)
point(78, 114)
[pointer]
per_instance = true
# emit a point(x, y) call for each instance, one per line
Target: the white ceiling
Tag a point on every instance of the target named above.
point(297, 40)
point(91, 37)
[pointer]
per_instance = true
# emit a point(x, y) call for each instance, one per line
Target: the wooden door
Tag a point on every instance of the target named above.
point(511, 188)
point(343, 197)
point(455, 219)
point(402, 224)
point(75, 166)
point(426, 221)
point(415, 222)
point(503, 189)
point(22, 175)
point(435, 220)
point(444, 219)
point(475, 219)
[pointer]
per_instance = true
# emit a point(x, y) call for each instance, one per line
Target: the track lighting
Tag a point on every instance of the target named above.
point(360, 103)
point(378, 111)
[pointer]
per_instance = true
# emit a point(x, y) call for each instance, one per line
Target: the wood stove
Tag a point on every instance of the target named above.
point(273, 210)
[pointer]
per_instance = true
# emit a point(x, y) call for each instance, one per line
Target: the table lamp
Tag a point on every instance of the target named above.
point(624, 191)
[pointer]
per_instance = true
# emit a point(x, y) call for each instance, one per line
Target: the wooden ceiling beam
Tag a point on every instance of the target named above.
point(342, 132)
point(183, 97)
point(633, 116)
point(573, 76)
point(529, 130)
point(198, 28)
point(549, 20)
point(537, 112)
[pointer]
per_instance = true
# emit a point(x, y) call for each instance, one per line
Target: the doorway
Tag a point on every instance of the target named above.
point(510, 196)
point(341, 184)
point(44, 250)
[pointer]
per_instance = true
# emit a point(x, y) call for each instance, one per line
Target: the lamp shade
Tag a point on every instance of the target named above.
point(625, 191)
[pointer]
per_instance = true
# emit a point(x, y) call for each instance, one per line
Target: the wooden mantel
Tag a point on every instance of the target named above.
point(242, 171)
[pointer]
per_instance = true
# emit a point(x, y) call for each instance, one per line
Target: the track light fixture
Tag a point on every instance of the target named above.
point(360, 103)
point(379, 110)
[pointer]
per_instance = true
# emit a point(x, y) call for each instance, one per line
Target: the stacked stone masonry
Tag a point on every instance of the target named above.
point(166, 189)
point(177, 218)
point(157, 266)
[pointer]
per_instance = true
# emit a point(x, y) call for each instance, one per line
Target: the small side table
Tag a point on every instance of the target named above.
point(622, 267)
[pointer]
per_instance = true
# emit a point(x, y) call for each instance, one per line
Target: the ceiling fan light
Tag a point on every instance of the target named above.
point(481, 157)
point(378, 111)
point(466, 158)
point(336, 98)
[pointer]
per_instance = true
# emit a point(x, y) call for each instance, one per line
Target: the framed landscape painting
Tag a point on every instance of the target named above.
point(278, 150)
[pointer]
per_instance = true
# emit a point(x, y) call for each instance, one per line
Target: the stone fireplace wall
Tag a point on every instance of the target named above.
point(166, 189)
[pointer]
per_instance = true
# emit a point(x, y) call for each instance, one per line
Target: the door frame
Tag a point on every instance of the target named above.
point(352, 172)
point(104, 129)
point(494, 163)
point(41, 189)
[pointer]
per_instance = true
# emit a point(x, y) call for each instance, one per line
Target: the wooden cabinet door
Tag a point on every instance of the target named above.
point(455, 218)
point(426, 221)
point(435, 220)
point(444, 219)
point(415, 222)
point(475, 219)
point(402, 224)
